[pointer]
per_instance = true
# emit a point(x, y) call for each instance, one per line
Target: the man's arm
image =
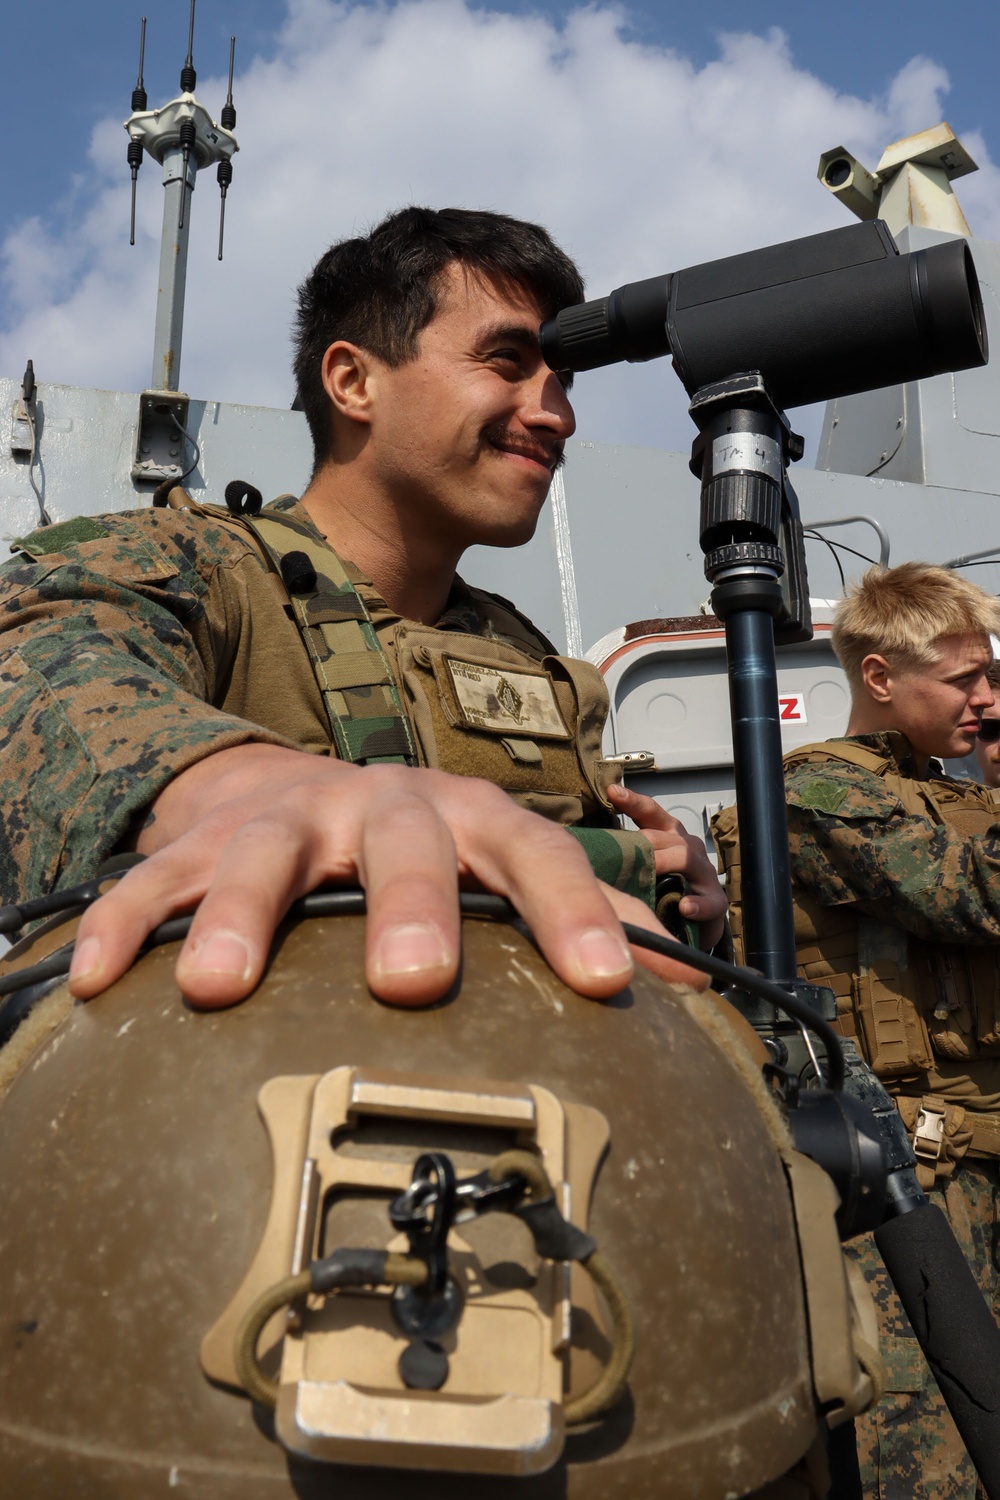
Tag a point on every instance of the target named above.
point(112, 644)
point(853, 842)
point(248, 830)
point(110, 649)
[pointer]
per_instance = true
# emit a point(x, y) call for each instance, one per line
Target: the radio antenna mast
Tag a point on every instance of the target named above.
point(183, 138)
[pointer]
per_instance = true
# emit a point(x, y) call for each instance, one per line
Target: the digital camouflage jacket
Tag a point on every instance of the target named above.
point(133, 645)
point(852, 840)
point(897, 907)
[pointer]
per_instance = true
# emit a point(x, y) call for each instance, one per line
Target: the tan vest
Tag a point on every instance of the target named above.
point(501, 705)
point(909, 1003)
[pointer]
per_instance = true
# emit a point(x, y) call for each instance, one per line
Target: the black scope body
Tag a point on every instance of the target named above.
point(820, 317)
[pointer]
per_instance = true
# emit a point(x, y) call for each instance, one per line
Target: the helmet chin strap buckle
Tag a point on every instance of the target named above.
point(461, 1302)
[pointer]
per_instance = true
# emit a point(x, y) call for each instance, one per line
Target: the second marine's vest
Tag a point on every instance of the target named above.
point(909, 1003)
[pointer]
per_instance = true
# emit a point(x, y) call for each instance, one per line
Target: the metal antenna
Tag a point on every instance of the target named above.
point(134, 154)
point(188, 131)
point(188, 75)
point(228, 116)
point(139, 92)
point(187, 135)
point(224, 175)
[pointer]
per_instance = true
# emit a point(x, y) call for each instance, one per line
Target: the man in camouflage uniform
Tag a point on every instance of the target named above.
point(896, 874)
point(172, 684)
point(988, 742)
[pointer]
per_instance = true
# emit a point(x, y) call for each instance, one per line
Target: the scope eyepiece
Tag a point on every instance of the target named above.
point(630, 324)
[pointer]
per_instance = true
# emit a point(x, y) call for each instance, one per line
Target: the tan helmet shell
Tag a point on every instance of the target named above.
point(136, 1179)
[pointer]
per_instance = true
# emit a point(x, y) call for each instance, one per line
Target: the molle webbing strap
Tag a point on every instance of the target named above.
point(362, 701)
point(852, 755)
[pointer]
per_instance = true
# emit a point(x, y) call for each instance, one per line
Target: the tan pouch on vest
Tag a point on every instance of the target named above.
point(481, 708)
point(961, 1000)
point(887, 1002)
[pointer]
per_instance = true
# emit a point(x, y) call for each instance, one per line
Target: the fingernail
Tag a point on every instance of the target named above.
point(221, 953)
point(409, 949)
point(86, 959)
point(600, 952)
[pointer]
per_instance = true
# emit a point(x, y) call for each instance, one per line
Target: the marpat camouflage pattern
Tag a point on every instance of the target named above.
point(134, 645)
point(908, 1445)
point(852, 841)
point(854, 844)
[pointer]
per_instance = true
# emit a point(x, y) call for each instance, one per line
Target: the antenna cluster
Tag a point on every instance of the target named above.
point(182, 136)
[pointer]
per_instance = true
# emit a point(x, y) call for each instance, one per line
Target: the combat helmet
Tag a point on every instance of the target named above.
point(427, 1241)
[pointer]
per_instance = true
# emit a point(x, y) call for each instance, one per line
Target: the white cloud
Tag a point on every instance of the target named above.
point(637, 161)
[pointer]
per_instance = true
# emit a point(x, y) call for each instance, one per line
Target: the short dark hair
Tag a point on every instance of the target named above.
point(379, 291)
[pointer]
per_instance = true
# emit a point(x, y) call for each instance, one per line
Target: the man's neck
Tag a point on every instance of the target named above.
point(414, 573)
point(861, 723)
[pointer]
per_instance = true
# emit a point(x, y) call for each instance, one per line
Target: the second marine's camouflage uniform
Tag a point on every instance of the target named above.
point(897, 908)
point(134, 645)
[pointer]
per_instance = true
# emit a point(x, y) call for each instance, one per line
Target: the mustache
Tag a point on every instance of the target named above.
point(500, 436)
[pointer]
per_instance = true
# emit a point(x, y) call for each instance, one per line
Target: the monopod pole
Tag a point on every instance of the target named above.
point(741, 455)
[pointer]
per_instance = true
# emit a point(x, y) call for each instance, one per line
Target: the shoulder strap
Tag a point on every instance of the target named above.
point(362, 701)
point(516, 626)
point(852, 755)
point(917, 797)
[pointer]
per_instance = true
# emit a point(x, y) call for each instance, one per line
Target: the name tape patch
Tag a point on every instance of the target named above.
point(494, 698)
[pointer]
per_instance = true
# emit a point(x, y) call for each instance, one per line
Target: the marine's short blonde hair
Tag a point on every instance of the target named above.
point(902, 613)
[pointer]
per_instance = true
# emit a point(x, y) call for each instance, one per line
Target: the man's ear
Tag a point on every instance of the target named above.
point(878, 678)
point(348, 381)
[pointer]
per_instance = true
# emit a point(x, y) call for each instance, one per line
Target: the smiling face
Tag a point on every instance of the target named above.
point(938, 707)
point(465, 437)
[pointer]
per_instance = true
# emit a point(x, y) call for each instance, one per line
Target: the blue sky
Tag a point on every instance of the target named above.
point(75, 63)
point(642, 135)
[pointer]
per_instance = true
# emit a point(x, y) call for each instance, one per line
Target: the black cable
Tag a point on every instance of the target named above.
point(13, 918)
point(54, 967)
point(194, 444)
point(44, 517)
point(475, 904)
point(755, 984)
point(816, 536)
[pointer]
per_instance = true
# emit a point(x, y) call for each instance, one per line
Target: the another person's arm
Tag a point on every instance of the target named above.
point(853, 842)
point(678, 852)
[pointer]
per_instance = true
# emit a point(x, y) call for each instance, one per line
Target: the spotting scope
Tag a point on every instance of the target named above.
point(811, 320)
point(825, 316)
